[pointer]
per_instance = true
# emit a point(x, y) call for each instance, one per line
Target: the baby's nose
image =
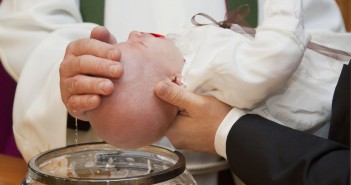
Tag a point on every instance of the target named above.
point(134, 35)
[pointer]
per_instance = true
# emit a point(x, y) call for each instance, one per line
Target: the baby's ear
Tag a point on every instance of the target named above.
point(177, 79)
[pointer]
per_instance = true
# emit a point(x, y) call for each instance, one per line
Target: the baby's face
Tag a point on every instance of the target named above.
point(152, 51)
point(133, 116)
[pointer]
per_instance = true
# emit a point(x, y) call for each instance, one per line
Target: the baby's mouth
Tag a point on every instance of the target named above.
point(157, 35)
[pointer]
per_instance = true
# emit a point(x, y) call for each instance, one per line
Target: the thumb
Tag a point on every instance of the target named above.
point(102, 34)
point(175, 94)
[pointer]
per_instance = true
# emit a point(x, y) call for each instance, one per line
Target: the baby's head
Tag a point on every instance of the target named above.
point(132, 116)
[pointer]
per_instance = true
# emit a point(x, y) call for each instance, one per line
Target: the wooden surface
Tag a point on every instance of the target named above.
point(345, 7)
point(12, 170)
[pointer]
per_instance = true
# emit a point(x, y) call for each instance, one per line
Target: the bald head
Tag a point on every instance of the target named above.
point(132, 116)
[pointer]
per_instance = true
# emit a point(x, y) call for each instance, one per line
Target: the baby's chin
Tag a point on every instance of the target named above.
point(124, 131)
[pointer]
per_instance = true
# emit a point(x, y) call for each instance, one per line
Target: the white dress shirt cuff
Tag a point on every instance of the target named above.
point(223, 130)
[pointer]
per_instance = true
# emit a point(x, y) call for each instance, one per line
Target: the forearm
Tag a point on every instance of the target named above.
point(252, 68)
point(281, 155)
point(264, 65)
point(24, 25)
point(33, 39)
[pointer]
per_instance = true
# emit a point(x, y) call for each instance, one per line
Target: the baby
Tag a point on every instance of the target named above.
point(271, 74)
point(133, 116)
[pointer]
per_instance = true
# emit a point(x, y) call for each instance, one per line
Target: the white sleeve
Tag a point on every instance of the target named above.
point(33, 38)
point(223, 131)
point(318, 15)
point(243, 71)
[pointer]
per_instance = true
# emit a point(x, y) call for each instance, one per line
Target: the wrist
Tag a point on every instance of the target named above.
point(223, 130)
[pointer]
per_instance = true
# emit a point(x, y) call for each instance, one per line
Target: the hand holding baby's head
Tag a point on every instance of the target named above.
point(132, 116)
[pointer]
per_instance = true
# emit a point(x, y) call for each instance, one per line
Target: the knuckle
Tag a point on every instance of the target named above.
point(71, 103)
point(78, 63)
point(64, 68)
point(81, 102)
point(61, 69)
point(88, 101)
point(62, 87)
point(100, 66)
point(93, 85)
point(76, 103)
point(65, 65)
point(73, 85)
point(113, 54)
point(177, 97)
point(69, 47)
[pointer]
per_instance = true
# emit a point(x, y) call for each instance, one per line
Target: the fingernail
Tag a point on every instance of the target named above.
point(69, 108)
point(163, 89)
point(102, 85)
point(113, 69)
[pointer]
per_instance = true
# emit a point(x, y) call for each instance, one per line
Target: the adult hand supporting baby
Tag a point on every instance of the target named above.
point(196, 125)
point(85, 69)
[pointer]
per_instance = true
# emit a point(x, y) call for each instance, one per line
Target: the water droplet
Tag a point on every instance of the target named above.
point(76, 132)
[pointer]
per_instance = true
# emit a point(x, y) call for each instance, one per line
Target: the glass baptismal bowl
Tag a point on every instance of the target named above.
point(101, 163)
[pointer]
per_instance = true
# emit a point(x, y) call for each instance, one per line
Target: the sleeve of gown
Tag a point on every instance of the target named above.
point(33, 38)
point(260, 151)
point(243, 71)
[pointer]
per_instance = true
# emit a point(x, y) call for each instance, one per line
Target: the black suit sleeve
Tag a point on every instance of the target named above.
point(261, 152)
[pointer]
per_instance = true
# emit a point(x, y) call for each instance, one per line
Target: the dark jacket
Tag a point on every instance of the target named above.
point(261, 152)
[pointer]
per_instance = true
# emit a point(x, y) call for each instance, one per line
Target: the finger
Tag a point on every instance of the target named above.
point(93, 47)
point(78, 104)
point(176, 95)
point(101, 33)
point(82, 84)
point(91, 65)
point(176, 129)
